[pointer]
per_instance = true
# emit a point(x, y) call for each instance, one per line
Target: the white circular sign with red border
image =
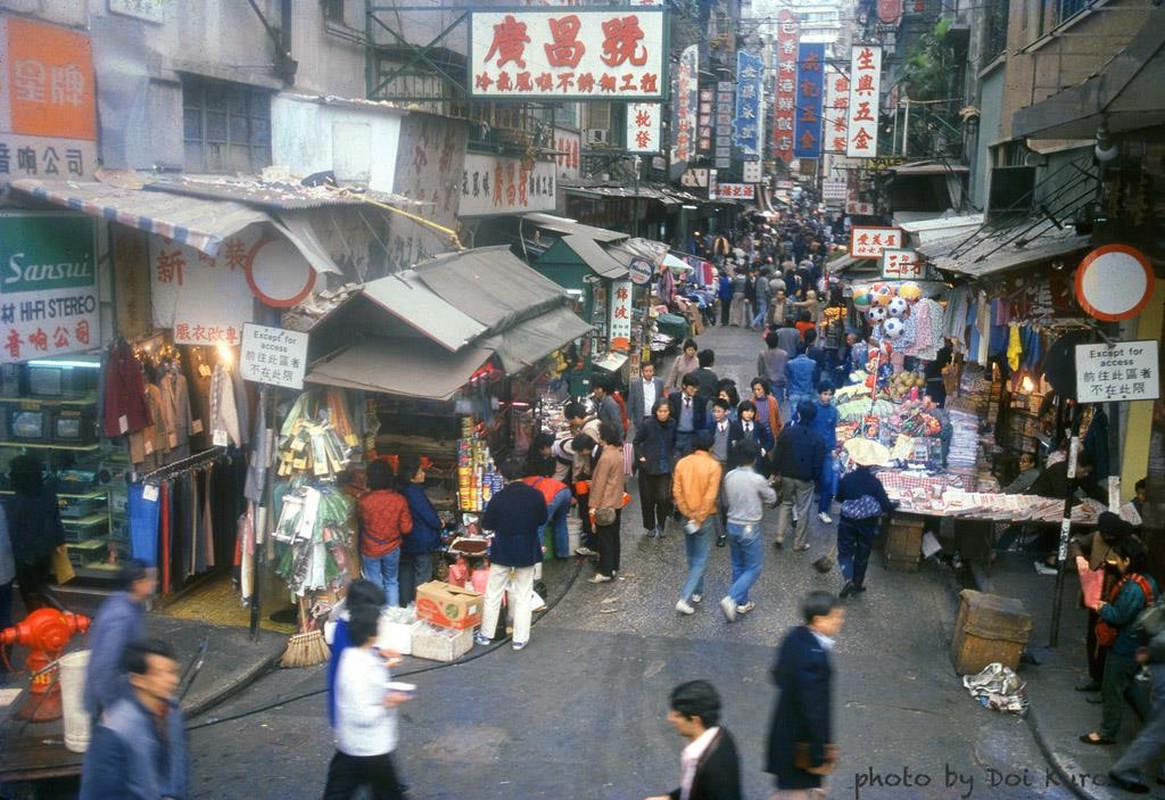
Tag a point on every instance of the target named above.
point(278, 274)
point(1114, 282)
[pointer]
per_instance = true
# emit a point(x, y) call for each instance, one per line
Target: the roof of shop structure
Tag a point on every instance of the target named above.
point(992, 250)
point(567, 226)
point(594, 256)
point(409, 367)
point(927, 168)
point(276, 194)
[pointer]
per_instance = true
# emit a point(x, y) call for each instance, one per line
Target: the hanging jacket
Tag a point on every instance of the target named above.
point(125, 393)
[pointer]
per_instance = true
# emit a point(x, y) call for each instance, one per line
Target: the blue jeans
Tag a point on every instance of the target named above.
point(697, 548)
point(747, 548)
point(383, 572)
point(1144, 749)
point(855, 537)
point(828, 487)
point(556, 513)
point(762, 310)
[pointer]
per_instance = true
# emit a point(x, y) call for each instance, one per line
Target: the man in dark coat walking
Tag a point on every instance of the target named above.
point(709, 764)
point(801, 748)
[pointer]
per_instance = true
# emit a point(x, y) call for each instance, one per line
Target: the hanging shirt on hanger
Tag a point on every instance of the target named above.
point(125, 393)
point(224, 417)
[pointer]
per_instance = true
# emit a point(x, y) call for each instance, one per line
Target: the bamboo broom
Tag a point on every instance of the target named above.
point(307, 648)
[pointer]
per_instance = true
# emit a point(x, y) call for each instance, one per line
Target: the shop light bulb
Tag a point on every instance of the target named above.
point(1028, 384)
point(226, 356)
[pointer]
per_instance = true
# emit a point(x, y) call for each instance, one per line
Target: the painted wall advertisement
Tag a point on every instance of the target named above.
point(48, 102)
point(48, 285)
point(862, 116)
point(429, 169)
point(501, 185)
point(182, 278)
point(784, 109)
point(584, 54)
point(567, 144)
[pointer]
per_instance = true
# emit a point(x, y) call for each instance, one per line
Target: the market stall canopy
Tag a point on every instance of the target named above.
point(990, 251)
point(407, 367)
point(197, 222)
point(408, 298)
point(590, 253)
point(523, 344)
point(925, 231)
point(1126, 95)
point(677, 265)
point(623, 252)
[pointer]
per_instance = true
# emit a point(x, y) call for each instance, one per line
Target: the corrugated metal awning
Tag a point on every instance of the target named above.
point(568, 226)
point(595, 257)
point(405, 295)
point(406, 367)
point(529, 341)
point(994, 251)
point(201, 224)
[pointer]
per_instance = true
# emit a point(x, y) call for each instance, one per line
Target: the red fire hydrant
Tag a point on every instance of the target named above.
point(46, 631)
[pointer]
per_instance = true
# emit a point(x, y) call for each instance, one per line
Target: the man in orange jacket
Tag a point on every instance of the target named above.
point(696, 488)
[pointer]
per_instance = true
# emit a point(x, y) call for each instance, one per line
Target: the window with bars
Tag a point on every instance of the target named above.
point(226, 127)
point(1063, 10)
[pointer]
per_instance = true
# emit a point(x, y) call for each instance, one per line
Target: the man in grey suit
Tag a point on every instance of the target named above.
point(642, 394)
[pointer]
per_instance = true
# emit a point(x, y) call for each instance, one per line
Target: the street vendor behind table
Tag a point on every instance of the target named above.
point(1097, 547)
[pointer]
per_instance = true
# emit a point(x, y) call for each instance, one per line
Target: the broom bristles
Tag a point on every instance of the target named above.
point(305, 650)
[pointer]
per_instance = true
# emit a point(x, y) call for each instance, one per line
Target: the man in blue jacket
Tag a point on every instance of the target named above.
point(138, 750)
point(120, 620)
point(515, 515)
point(798, 459)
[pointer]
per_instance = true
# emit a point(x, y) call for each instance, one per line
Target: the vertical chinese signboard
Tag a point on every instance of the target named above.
point(48, 118)
point(836, 105)
point(643, 124)
point(862, 119)
point(749, 109)
point(48, 294)
point(182, 278)
point(784, 109)
point(568, 53)
point(810, 83)
point(725, 93)
point(620, 322)
point(684, 102)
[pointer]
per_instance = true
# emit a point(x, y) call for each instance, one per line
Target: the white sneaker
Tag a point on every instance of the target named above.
point(599, 577)
point(1044, 569)
point(728, 606)
point(684, 608)
point(697, 598)
point(744, 609)
point(825, 518)
point(584, 551)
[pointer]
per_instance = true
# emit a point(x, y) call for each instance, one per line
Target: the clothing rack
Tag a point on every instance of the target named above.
point(213, 455)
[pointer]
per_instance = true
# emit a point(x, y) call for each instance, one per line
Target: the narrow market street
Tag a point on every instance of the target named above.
point(580, 712)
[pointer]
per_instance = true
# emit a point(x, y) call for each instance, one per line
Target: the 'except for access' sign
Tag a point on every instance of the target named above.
point(273, 356)
point(1124, 371)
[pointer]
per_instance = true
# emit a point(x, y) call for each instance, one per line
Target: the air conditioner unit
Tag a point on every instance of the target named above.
point(598, 136)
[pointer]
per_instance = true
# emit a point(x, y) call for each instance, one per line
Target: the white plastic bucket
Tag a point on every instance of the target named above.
point(574, 536)
point(73, 667)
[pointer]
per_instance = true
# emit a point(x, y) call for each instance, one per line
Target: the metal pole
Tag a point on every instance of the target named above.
point(1065, 528)
point(267, 401)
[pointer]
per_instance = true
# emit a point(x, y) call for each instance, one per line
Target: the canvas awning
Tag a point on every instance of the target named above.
point(566, 226)
point(193, 221)
point(407, 367)
point(1126, 95)
point(594, 256)
point(529, 341)
point(405, 296)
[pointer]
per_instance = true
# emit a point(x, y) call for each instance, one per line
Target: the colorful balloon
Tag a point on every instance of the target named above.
point(881, 293)
point(862, 298)
point(910, 291)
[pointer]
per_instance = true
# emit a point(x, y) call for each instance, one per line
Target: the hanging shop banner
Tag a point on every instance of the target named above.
point(734, 191)
point(722, 123)
point(48, 117)
point(746, 125)
point(784, 106)
point(182, 279)
point(500, 185)
point(1122, 371)
point(869, 241)
point(810, 88)
point(862, 117)
point(834, 124)
point(620, 322)
point(902, 265)
point(684, 104)
point(273, 356)
point(581, 55)
point(643, 127)
point(48, 286)
point(704, 116)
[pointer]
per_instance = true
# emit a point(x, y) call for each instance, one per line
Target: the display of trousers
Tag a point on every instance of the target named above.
point(143, 525)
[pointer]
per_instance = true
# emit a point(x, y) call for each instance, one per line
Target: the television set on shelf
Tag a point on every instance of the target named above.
point(28, 425)
point(74, 427)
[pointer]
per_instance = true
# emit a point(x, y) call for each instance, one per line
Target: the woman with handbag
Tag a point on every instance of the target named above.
point(655, 445)
point(1134, 592)
point(863, 501)
point(606, 498)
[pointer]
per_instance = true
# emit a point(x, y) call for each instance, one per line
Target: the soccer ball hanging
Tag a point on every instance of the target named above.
point(896, 307)
point(892, 328)
point(876, 314)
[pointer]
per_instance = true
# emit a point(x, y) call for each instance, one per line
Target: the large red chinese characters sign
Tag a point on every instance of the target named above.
point(785, 105)
point(614, 54)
